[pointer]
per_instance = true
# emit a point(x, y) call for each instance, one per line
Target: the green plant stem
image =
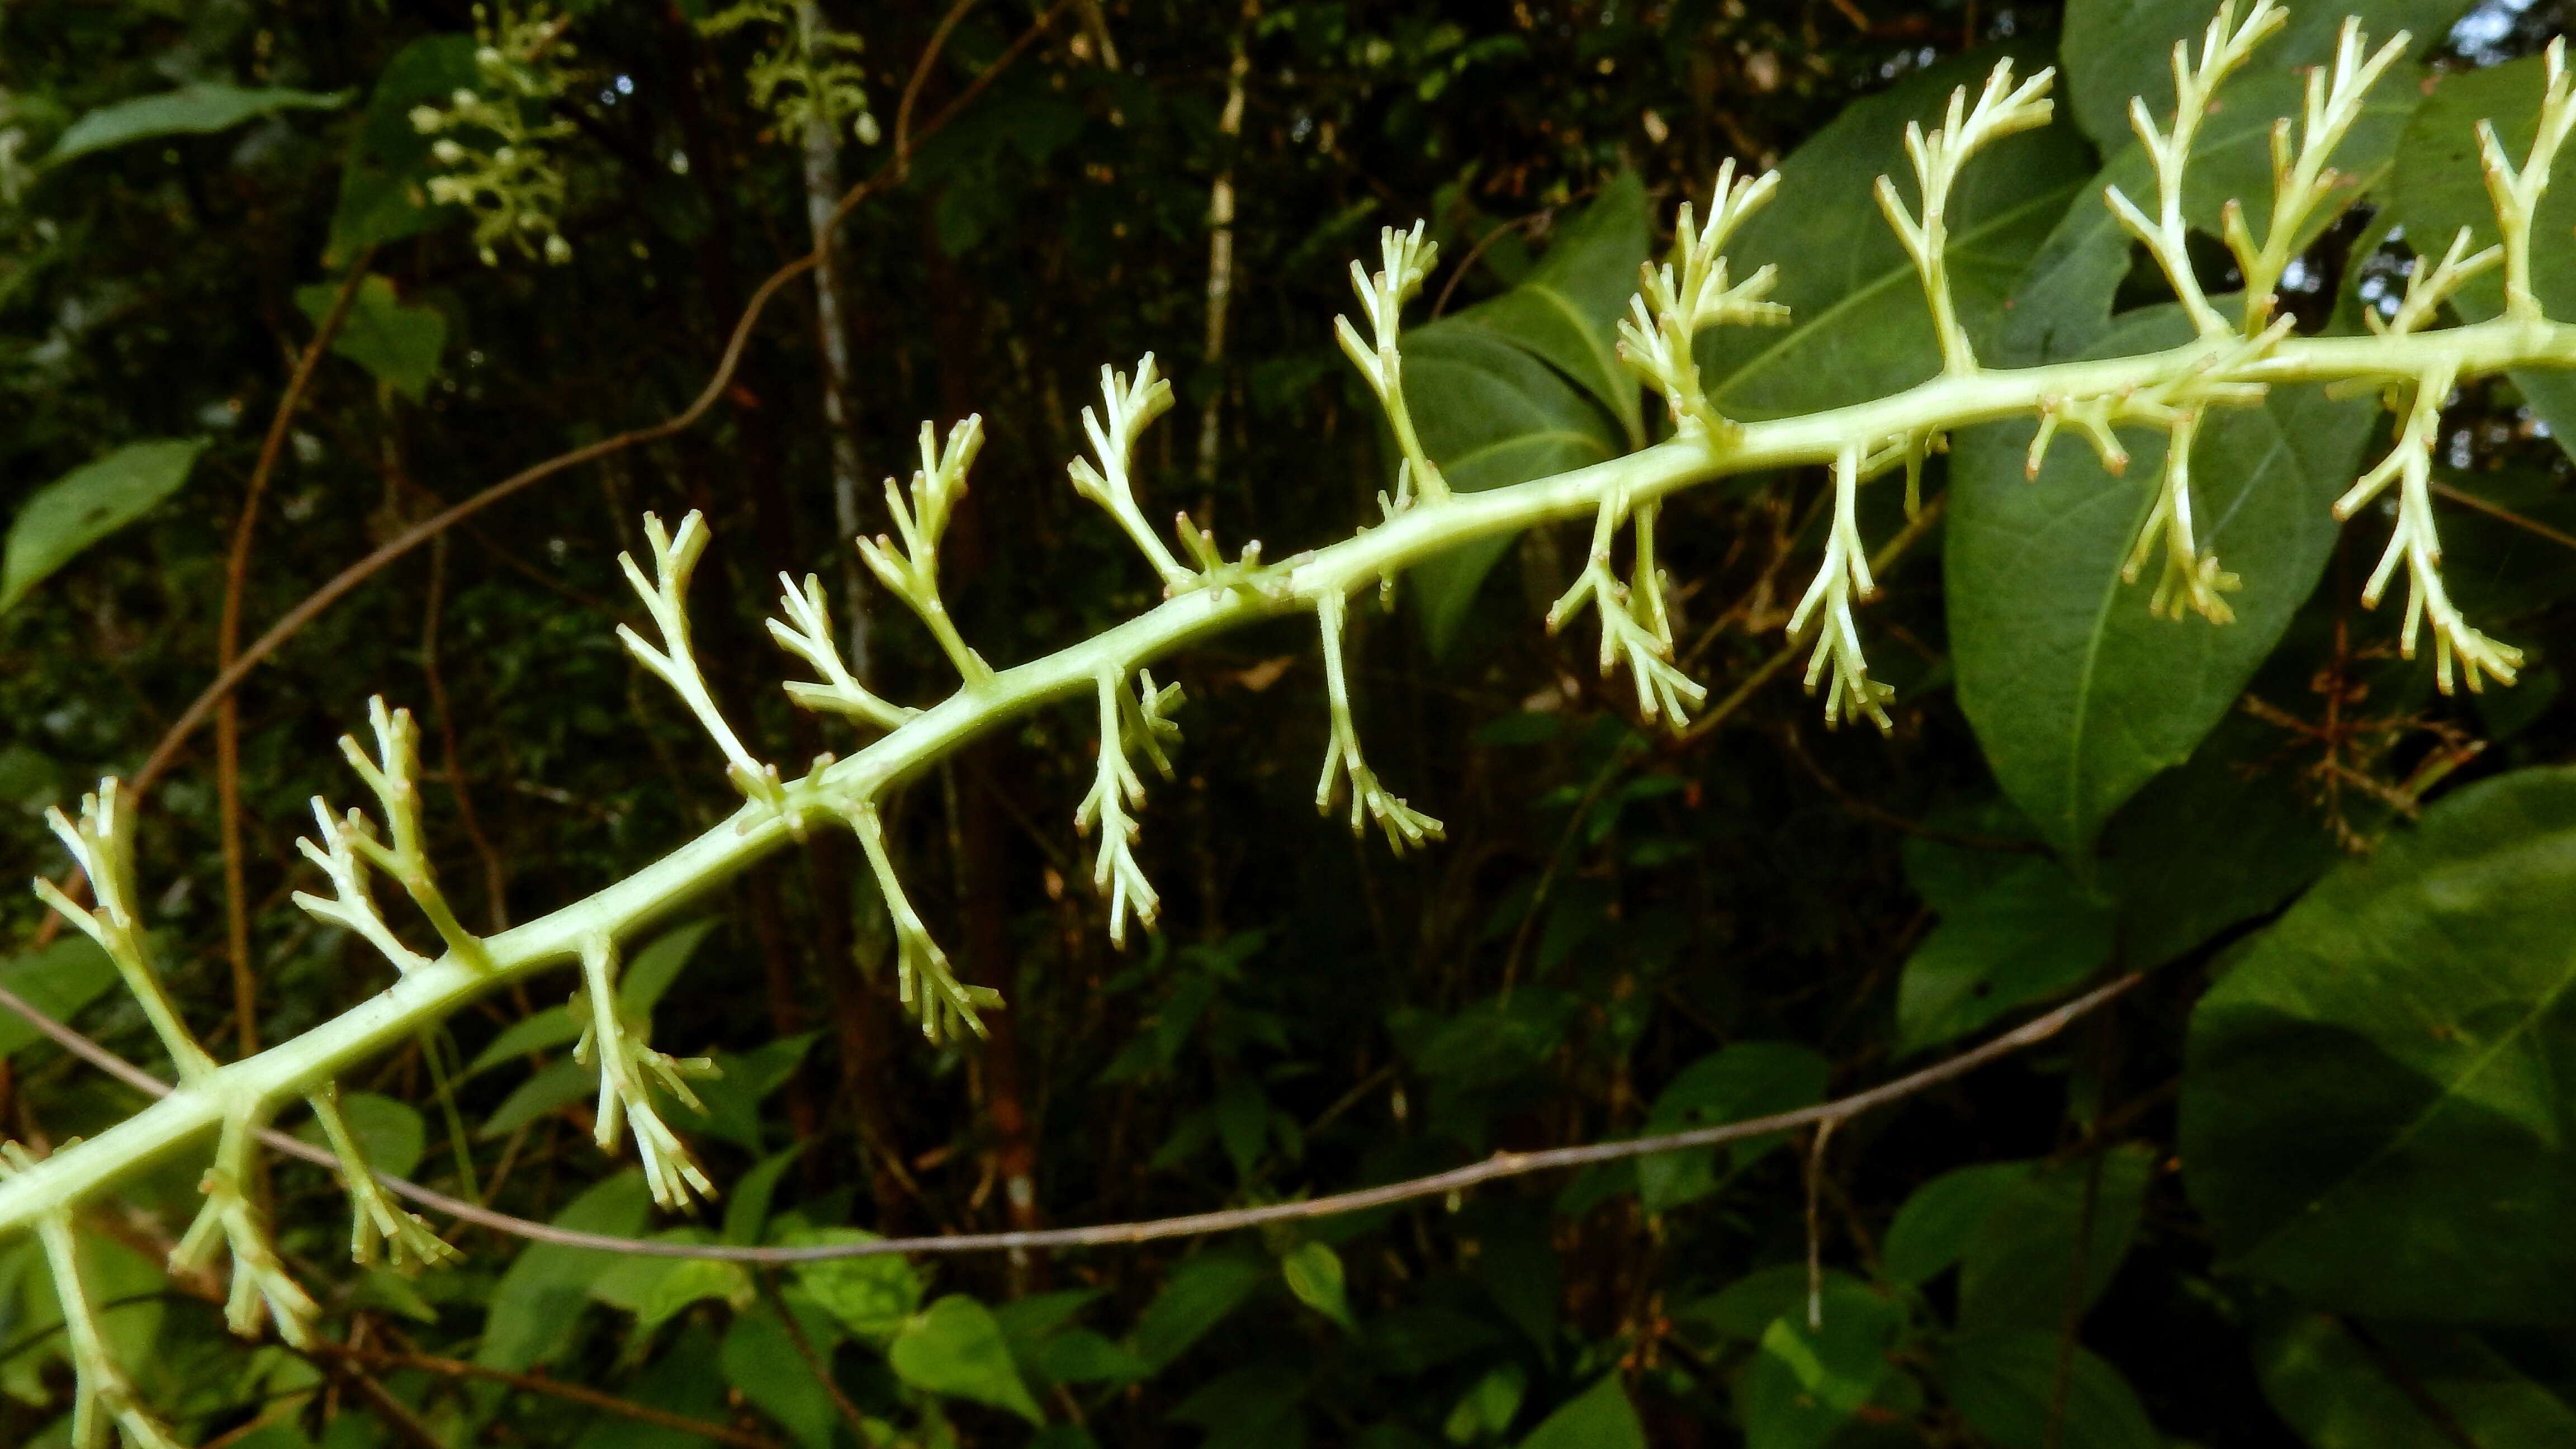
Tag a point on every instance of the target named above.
point(429, 995)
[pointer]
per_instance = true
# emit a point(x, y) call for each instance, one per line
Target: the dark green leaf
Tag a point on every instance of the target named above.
point(2005, 1382)
point(1600, 1418)
point(1080, 1356)
point(383, 188)
point(2064, 301)
point(1490, 414)
point(2029, 935)
point(1567, 310)
point(1938, 1222)
point(1195, 1298)
point(538, 1302)
point(760, 1360)
point(2372, 1098)
point(565, 1082)
point(2227, 837)
point(2346, 1385)
point(1806, 1382)
point(87, 504)
point(2078, 693)
point(2022, 1256)
point(1733, 1084)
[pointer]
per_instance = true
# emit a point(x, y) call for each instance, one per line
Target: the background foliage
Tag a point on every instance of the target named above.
point(2306, 1184)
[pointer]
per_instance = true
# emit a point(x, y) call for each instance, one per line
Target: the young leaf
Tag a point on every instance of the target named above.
point(954, 1348)
point(399, 345)
point(1314, 1273)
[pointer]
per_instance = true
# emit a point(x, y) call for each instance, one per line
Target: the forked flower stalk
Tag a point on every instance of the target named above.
point(2516, 191)
point(2304, 186)
point(1656, 338)
point(807, 633)
point(1404, 826)
point(102, 844)
point(665, 596)
point(1635, 626)
point(1407, 260)
point(349, 848)
point(2002, 109)
point(1131, 407)
point(629, 1071)
point(374, 1221)
point(923, 980)
point(2191, 579)
point(910, 569)
point(1126, 722)
point(1843, 577)
point(2415, 542)
point(231, 1214)
point(2223, 49)
point(103, 1398)
point(2427, 288)
point(350, 906)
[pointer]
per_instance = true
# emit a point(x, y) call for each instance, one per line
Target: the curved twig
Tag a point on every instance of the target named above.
point(1495, 1168)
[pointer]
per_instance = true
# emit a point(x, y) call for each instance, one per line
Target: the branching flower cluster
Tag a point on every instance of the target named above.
point(497, 144)
point(805, 75)
point(2230, 362)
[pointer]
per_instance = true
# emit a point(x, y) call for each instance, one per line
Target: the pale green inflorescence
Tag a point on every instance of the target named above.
point(2230, 363)
point(497, 142)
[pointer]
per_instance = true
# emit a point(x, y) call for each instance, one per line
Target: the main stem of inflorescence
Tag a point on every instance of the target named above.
point(249, 1088)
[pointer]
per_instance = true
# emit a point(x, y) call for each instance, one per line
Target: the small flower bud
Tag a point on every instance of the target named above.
point(867, 129)
point(425, 119)
point(447, 152)
point(558, 251)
